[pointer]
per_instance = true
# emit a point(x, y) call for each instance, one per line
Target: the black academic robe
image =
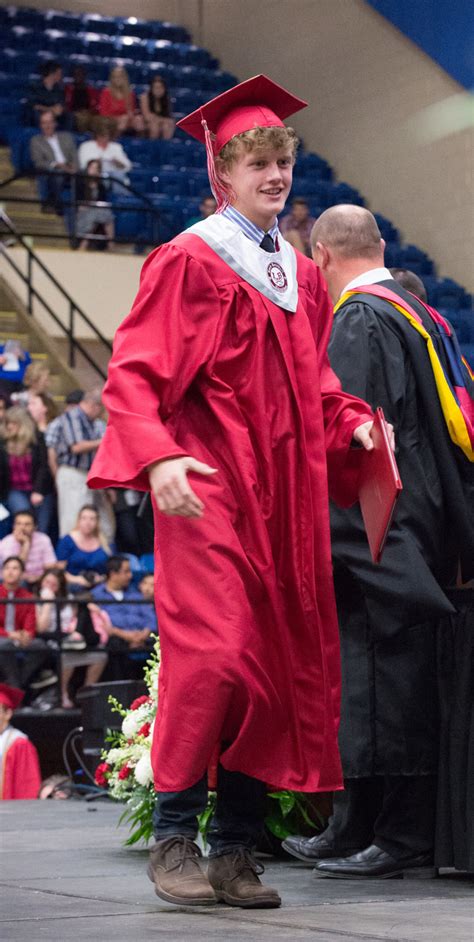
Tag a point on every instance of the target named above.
point(388, 613)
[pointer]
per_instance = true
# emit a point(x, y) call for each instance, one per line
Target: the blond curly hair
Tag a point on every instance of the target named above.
point(257, 139)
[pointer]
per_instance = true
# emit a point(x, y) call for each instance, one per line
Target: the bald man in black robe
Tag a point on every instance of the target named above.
point(383, 823)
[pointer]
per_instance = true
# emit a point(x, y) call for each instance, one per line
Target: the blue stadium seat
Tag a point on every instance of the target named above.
point(33, 19)
point(69, 22)
point(22, 38)
point(312, 165)
point(387, 229)
point(103, 25)
point(413, 258)
point(343, 193)
point(63, 44)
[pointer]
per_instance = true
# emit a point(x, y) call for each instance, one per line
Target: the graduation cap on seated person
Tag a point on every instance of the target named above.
point(10, 697)
point(257, 103)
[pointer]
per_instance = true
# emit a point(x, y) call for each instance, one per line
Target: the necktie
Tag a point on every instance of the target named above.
point(267, 243)
point(10, 616)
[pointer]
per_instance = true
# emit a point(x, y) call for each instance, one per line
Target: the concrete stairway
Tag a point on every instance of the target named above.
point(16, 323)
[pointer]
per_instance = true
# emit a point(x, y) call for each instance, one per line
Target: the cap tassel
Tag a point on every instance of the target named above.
point(218, 190)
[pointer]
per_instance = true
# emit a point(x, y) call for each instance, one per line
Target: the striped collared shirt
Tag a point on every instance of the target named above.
point(69, 429)
point(253, 232)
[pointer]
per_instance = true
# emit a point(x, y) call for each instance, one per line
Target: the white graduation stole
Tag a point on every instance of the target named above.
point(271, 273)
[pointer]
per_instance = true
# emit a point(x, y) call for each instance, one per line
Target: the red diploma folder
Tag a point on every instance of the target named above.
point(379, 487)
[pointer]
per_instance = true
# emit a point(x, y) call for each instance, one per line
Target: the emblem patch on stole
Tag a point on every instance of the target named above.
point(277, 276)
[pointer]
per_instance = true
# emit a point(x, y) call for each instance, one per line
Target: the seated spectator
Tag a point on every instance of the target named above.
point(207, 207)
point(55, 152)
point(75, 436)
point(118, 102)
point(113, 159)
point(21, 774)
point(37, 379)
point(34, 550)
point(53, 586)
point(47, 95)
point(27, 483)
point(132, 628)
point(91, 190)
point(410, 281)
point(43, 410)
point(3, 412)
point(147, 588)
point(296, 226)
point(155, 107)
point(82, 100)
point(22, 654)
point(13, 363)
point(84, 551)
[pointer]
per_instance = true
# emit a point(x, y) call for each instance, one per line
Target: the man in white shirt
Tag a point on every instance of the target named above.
point(52, 151)
point(113, 159)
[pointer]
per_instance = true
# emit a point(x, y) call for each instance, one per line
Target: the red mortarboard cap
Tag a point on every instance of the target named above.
point(256, 103)
point(11, 697)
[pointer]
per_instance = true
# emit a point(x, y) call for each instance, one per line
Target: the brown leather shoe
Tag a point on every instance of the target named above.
point(234, 877)
point(175, 871)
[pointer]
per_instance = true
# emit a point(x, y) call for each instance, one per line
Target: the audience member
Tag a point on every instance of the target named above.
point(54, 152)
point(33, 548)
point(155, 106)
point(91, 190)
point(13, 363)
point(113, 159)
point(37, 379)
point(118, 102)
point(296, 226)
point(131, 626)
point(73, 654)
point(72, 399)
point(81, 100)
point(27, 483)
point(47, 95)
point(56, 786)
point(75, 436)
point(84, 550)
point(207, 207)
point(43, 410)
point(21, 775)
point(22, 654)
point(410, 281)
point(147, 588)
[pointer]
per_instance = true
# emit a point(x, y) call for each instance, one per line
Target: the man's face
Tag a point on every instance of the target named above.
point(5, 717)
point(260, 182)
point(47, 124)
point(23, 526)
point(12, 574)
point(123, 576)
point(208, 207)
point(147, 587)
point(300, 211)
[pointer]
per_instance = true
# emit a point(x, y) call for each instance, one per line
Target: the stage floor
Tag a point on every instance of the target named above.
point(66, 876)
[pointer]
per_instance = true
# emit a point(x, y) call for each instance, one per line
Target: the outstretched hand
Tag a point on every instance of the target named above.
point(362, 434)
point(171, 489)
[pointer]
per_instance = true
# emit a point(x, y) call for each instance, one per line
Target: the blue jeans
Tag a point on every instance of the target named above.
point(238, 818)
point(20, 500)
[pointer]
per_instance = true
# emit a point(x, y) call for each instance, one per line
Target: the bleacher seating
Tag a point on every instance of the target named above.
point(172, 174)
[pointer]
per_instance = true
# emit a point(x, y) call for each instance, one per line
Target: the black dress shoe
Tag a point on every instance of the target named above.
point(374, 862)
point(310, 849)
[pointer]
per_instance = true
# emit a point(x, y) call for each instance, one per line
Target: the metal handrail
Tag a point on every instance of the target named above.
point(74, 309)
point(147, 207)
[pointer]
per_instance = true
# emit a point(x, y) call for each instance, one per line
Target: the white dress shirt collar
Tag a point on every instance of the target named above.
point(370, 277)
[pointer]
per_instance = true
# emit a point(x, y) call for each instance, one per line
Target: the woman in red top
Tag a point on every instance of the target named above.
point(118, 101)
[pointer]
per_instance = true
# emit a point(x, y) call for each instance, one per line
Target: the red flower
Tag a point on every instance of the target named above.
point(145, 730)
point(125, 771)
point(101, 774)
point(138, 702)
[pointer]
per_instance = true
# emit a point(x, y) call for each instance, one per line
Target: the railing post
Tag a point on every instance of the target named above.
point(72, 347)
point(30, 278)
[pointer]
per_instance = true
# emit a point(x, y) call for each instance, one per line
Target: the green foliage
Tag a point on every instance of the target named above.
point(117, 707)
point(291, 813)
point(138, 815)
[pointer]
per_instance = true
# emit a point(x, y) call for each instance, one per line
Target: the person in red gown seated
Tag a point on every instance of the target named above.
point(20, 775)
point(222, 403)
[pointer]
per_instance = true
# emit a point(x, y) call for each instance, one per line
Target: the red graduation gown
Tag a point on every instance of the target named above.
point(205, 365)
point(20, 770)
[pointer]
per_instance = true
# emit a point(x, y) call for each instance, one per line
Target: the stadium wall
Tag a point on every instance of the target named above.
point(388, 118)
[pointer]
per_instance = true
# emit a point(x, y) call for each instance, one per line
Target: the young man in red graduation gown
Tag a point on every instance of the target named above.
point(222, 402)
point(20, 775)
